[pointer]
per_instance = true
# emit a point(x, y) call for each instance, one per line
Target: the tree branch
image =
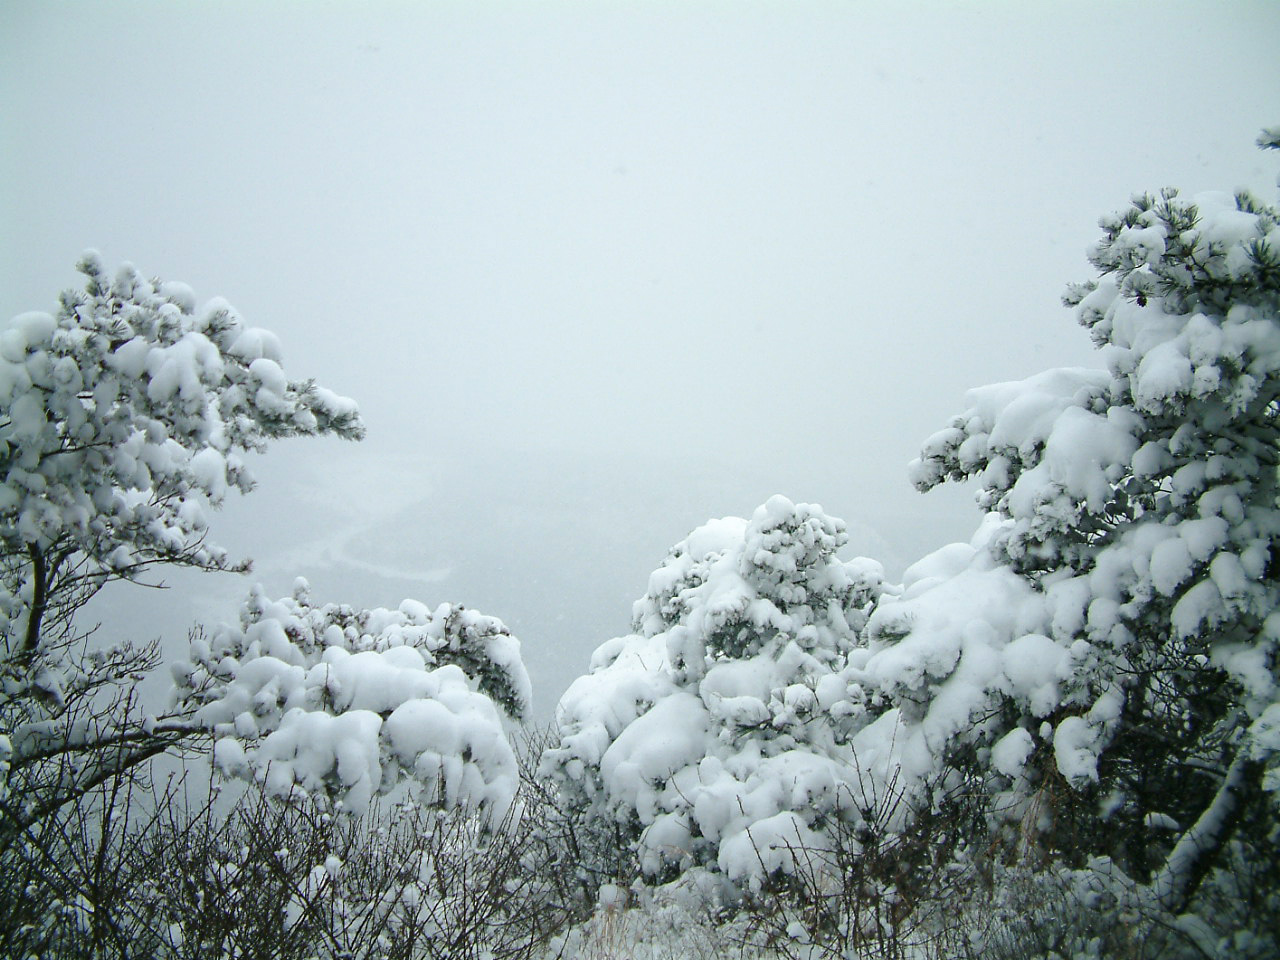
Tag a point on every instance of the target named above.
point(1194, 854)
point(40, 598)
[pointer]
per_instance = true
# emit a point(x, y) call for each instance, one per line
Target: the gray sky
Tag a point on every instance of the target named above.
point(597, 272)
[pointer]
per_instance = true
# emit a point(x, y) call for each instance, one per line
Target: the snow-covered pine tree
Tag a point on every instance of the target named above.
point(1104, 655)
point(337, 703)
point(716, 734)
point(122, 419)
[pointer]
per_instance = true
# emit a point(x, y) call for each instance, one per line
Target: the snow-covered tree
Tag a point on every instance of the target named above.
point(1104, 654)
point(123, 416)
point(341, 703)
point(716, 734)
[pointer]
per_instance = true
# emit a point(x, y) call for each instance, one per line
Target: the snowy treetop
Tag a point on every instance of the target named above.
point(124, 415)
point(713, 732)
point(1134, 512)
point(338, 702)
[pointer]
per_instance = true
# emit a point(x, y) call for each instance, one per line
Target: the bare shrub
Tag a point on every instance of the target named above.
point(579, 853)
point(183, 874)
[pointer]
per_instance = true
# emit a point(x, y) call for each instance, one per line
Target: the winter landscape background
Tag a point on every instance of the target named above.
point(598, 273)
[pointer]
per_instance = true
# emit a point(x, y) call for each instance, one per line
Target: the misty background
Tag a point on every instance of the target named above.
point(598, 272)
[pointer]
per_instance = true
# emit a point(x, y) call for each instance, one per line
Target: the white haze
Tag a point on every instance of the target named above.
point(597, 272)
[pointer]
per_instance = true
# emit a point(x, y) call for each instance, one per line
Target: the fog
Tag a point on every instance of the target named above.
point(597, 272)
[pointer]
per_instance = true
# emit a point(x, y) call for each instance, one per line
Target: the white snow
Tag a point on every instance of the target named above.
point(1010, 754)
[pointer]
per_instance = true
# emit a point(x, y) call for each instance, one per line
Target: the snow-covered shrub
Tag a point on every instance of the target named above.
point(1112, 630)
point(717, 733)
point(123, 417)
point(341, 703)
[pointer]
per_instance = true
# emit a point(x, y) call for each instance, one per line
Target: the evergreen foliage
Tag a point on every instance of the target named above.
point(1129, 636)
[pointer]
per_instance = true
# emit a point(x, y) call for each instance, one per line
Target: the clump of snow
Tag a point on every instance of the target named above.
point(1010, 754)
point(255, 343)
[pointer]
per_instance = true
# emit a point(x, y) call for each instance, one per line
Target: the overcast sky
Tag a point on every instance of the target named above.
point(597, 272)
